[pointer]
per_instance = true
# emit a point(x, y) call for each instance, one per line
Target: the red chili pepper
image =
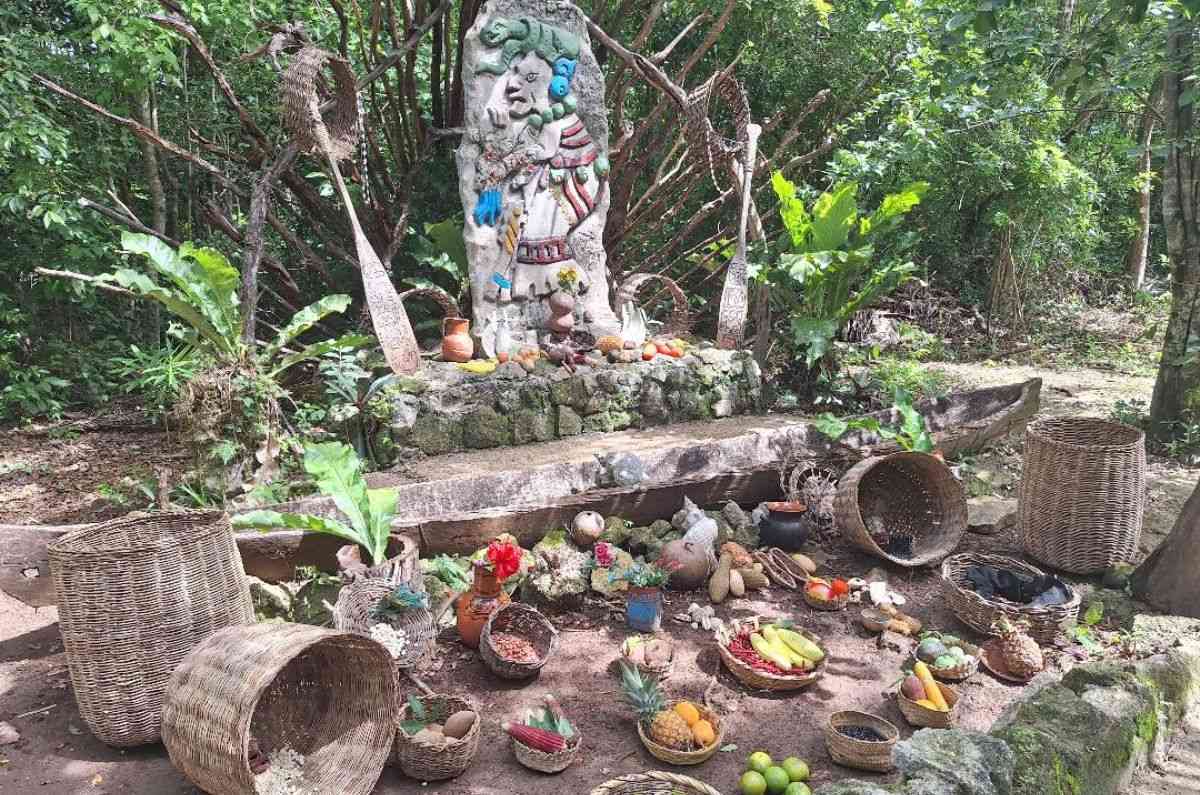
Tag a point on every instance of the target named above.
point(741, 649)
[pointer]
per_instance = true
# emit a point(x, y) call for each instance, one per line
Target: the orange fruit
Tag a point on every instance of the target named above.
point(703, 733)
point(687, 710)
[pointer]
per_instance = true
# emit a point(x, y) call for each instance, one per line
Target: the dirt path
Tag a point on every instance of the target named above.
point(1180, 773)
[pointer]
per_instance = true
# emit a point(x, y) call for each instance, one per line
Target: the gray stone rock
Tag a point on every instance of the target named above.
point(990, 515)
point(954, 762)
point(569, 423)
point(723, 403)
point(434, 434)
point(485, 427)
point(532, 425)
point(270, 601)
point(854, 787)
point(510, 370)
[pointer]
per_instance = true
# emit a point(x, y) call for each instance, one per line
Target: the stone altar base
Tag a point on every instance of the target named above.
point(445, 409)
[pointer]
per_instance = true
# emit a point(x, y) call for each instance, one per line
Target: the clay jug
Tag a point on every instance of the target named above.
point(476, 605)
point(457, 345)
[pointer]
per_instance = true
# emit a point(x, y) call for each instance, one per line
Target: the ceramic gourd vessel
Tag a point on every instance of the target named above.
point(485, 597)
point(457, 345)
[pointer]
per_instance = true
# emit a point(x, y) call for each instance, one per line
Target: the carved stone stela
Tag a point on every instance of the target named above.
point(533, 173)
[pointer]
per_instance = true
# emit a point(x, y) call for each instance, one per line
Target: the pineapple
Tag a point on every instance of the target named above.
point(664, 725)
point(1021, 652)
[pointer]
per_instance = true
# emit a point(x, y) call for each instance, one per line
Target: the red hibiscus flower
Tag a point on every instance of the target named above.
point(505, 559)
point(604, 555)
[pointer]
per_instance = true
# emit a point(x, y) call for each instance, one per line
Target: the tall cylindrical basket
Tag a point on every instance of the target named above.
point(1083, 493)
point(135, 595)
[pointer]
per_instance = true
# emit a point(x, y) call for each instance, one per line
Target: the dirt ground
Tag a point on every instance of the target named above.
point(56, 753)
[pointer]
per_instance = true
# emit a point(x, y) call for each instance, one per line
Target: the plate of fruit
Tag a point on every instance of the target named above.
point(821, 594)
point(949, 658)
point(676, 732)
point(771, 656)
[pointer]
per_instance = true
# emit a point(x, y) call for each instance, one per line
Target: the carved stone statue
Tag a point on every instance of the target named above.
point(533, 168)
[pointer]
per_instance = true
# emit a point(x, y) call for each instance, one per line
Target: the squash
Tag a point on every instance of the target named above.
point(932, 691)
point(703, 733)
point(688, 563)
point(736, 586)
point(718, 584)
point(753, 579)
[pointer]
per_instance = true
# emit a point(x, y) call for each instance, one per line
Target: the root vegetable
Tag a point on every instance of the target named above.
point(718, 584)
point(736, 586)
point(458, 724)
point(753, 579)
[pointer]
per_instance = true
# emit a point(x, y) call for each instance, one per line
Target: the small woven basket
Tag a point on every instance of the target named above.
point(763, 680)
point(830, 605)
point(919, 715)
point(329, 696)
point(134, 596)
point(355, 612)
point(958, 673)
point(524, 622)
point(660, 671)
point(437, 764)
point(911, 492)
point(544, 762)
point(979, 613)
point(1083, 493)
point(654, 782)
point(860, 754)
point(674, 757)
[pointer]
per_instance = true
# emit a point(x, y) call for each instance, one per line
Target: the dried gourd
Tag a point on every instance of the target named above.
point(736, 586)
point(718, 584)
point(805, 562)
point(753, 579)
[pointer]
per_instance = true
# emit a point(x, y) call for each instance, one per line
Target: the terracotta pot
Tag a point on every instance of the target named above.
point(561, 324)
point(457, 345)
point(643, 609)
point(785, 526)
point(476, 605)
point(561, 303)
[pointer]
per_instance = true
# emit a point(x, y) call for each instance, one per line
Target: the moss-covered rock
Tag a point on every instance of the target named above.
point(608, 420)
point(532, 425)
point(434, 434)
point(486, 427)
point(569, 422)
point(954, 762)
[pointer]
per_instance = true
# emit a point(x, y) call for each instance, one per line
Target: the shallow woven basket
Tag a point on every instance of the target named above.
point(329, 696)
point(860, 754)
point(918, 715)
point(525, 622)
point(354, 612)
point(544, 762)
point(1045, 623)
point(674, 757)
point(429, 764)
point(911, 491)
point(958, 673)
point(830, 605)
point(761, 680)
point(654, 782)
point(1083, 493)
point(134, 596)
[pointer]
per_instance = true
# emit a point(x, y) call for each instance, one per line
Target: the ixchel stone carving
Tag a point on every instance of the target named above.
point(533, 170)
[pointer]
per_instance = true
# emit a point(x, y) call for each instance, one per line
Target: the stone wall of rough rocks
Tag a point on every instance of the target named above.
point(445, 409)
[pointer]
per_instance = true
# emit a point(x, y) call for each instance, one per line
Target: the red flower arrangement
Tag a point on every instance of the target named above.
point(504, 559)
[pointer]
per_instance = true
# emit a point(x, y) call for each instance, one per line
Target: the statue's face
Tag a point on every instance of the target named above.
point(527, 85)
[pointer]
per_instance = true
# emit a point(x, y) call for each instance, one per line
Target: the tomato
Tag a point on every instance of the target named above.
point(840, 587)
point(663, 348)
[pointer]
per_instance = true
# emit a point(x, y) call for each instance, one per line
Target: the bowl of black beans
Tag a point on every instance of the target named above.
point(861, 740)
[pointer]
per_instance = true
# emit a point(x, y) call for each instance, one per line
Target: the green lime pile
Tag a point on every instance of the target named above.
point(764, 777)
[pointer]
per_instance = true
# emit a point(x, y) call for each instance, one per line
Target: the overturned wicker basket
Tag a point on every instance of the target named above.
point(329, 696)
point(914, 493)
point(355, 612)
point(525, 622)
point(654, 782)
point(1083, 493)
point(861, 754)
point(979, 613)
point(135, 595)
point(437, 764)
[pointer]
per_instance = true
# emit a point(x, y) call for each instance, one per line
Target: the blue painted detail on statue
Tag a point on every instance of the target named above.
point(501, 282)
point(487, 209)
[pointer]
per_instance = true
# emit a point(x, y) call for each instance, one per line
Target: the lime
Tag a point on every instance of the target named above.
point(759, 761)
point(777, 780)
point(797, 769)
point(797, 788)
point(753, 783)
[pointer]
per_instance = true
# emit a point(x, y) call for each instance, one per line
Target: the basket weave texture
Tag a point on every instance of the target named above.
point(525, 622)
point(354, 612)
point(860, 754)
point(432, 764)
point(134, 596)
point(919, 715)
point(654, 782)
point(544, 762)
point(1083, 493)
point(675, 757)
point(978, 613)
point(329, 696)
point(910, 492)
point(762, 680)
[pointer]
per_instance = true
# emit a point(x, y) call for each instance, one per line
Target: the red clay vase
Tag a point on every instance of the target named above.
point(457, 345)
point(477, 605)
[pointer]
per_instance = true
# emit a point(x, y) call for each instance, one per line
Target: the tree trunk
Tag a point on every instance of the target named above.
point(1139, 247)
point(1167, 579)
point(1179, 370)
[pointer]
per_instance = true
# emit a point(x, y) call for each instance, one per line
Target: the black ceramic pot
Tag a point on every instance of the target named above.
point(785, 526)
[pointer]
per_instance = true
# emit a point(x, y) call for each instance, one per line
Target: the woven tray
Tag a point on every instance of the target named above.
point(430, 764)
point(762, 680)
point(135, 595)
point(1045, 623)
point(544, 762)
point(674, 757)
point(919, 715)
point(915, 492)
point(329, 696)
point(860, 754)
point(354, 612)
point(526, 622)
point(1082, 493)
point(654, 782)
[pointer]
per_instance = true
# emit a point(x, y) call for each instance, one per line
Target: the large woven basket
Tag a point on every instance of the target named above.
point(525, 622)
point(763, 680)
point(1083, 493)
point(978, 613)
point(437, 764)
point(354, 612)
point(328, 696)
point(134, 596)
point(914, 493)
point(654, 782)
point(860, 754)
point(675, 757)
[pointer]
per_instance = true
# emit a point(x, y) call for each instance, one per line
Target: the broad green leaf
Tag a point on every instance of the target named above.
point(221, 277)
point(447, 235)
point(1094, 614)
point(305, 319)
point(144, 286)
point(831, 426)
point(791, 209)
point(895, 205)
point(338, 473)
point(833, 216)
point(269, 520)
point(319, 349)
point(813, 335)
point(382, 509)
